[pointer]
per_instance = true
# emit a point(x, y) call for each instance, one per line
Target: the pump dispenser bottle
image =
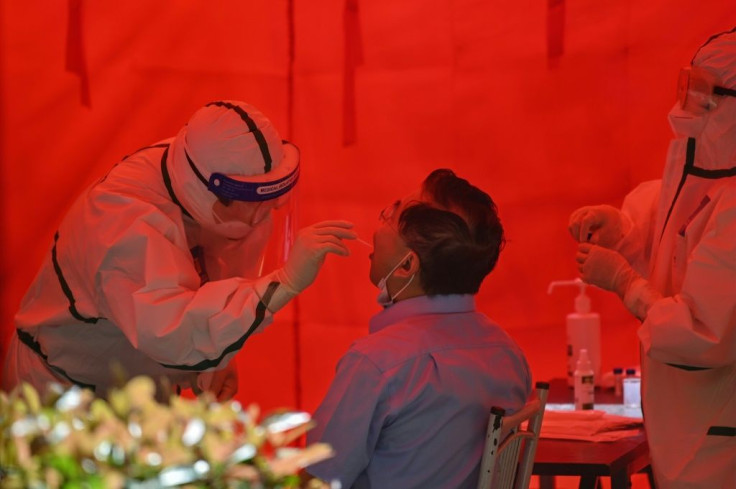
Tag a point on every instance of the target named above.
point(583, 331)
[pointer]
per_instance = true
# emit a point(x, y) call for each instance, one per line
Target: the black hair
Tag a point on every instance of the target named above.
point(456, 233)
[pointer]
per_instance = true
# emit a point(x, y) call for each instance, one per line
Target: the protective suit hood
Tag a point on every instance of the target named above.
point(715, 131)
point(227, 137)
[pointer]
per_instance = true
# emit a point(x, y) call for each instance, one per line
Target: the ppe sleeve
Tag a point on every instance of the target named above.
point(148, 286)
point(640, 208)
point(349, 419)
point(697, 326)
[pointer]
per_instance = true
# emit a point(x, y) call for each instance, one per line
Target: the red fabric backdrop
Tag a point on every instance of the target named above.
point(546, 105)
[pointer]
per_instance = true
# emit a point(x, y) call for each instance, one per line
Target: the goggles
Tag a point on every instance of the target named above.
point(698, 90)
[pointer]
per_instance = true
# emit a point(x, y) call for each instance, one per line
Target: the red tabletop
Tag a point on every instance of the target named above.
point(589, 460)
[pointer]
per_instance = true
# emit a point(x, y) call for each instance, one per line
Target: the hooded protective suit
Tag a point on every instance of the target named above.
point(142, 275)
point(681, 238)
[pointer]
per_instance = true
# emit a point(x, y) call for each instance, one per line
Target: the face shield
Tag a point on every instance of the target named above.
point(261, 210)
point(235, 179)
point(699, 90)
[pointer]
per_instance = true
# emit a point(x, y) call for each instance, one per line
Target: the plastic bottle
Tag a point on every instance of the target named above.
point(632, 389)
point(583, 330)
point(584, 382)
point(618, 382)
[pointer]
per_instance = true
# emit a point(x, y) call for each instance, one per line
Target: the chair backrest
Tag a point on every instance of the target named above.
point(508, 455)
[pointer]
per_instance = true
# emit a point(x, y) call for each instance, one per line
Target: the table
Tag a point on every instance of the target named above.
point(617, 460)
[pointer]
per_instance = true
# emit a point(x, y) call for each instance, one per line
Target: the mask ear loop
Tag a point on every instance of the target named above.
point(405, 264)
point(411, 279)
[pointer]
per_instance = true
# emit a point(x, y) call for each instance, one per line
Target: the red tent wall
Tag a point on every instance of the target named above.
point(546, 105)
point(85, 83)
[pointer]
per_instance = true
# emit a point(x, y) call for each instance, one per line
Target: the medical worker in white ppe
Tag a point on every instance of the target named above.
point(670, 254)
point(155, 268)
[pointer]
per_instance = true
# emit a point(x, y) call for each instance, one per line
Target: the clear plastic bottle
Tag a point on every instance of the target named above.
point(584, 382)
point(632, 389)
point(583, 329)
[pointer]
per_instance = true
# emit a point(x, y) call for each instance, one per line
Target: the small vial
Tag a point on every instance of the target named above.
point(584, 375)
point(632, 389)
point(618, 382)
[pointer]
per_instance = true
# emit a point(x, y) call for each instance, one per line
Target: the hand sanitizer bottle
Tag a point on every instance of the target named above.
point(583, 330)
point(584, 382)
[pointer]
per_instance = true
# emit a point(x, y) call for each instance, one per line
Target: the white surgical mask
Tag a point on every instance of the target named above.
point(385, 299)
point(229, 229)
point(685, 124)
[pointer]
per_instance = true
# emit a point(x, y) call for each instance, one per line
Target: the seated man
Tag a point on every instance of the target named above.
point(409, 404)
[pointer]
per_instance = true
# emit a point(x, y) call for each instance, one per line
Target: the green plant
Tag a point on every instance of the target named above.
point(70, 439)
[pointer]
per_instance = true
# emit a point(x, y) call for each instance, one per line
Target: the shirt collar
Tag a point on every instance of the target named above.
point(438, 304)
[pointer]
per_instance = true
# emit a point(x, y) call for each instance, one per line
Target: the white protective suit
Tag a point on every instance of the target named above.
point(683, 242)
point(132, 280)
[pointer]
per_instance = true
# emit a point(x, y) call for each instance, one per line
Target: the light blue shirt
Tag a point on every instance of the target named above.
point(409, 404)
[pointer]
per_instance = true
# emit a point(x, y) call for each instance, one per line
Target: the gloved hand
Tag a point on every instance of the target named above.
point(222, 383)
point(605, 268)
point(310, 248)
point(603, 225)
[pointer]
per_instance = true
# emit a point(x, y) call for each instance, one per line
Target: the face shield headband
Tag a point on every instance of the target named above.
point(697, 89)
point(229, 188)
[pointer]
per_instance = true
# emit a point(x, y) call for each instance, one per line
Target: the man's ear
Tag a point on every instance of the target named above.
point(409, 266)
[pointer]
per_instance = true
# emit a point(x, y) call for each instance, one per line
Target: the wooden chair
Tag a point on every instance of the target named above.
point(508, 455)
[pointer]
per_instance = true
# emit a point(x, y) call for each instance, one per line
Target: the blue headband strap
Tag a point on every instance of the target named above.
point(229, 188)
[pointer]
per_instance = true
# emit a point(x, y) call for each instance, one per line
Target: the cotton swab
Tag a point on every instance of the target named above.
point(364, 242)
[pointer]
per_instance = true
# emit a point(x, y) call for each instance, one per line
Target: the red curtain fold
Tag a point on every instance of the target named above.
point(555, 30)
point(76, 60)
point(353, 58)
